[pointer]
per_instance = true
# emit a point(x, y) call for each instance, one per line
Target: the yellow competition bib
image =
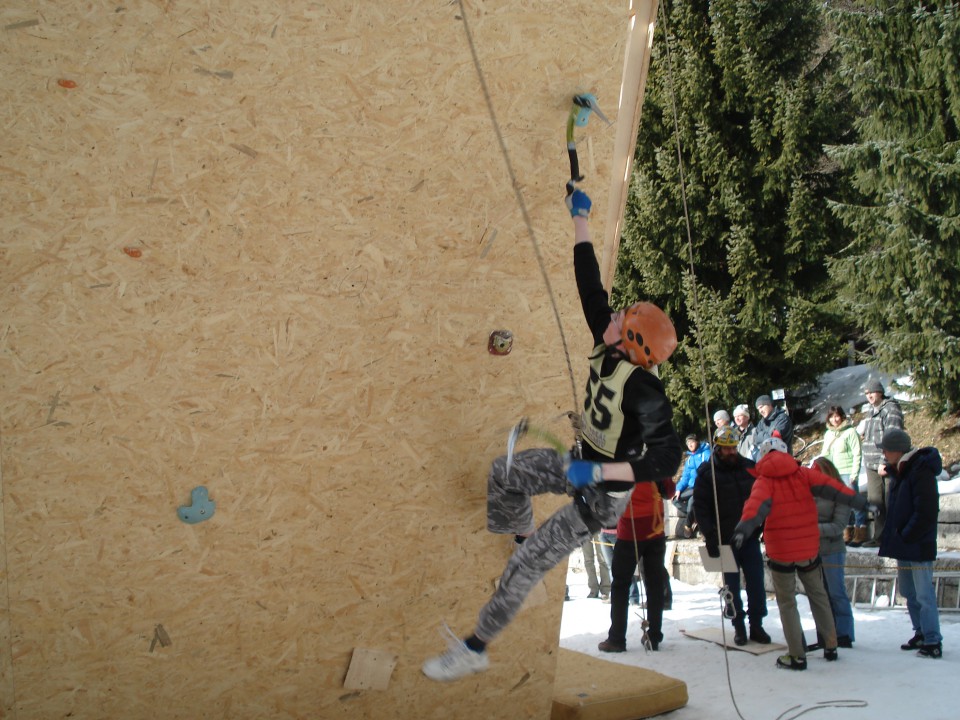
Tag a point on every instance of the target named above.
point(602, 408)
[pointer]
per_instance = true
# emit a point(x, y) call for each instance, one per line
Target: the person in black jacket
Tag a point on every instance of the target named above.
point(773, 422)
point(733, 486)
point(910, 533)
point(627, 437)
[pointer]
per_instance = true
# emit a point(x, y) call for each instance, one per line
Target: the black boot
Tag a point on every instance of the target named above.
point(788, 662)
point(610, 646)
point(913, 643)
point(759, 635)
point(739, 633)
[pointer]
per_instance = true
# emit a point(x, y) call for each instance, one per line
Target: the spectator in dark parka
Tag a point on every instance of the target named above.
point(910, 534)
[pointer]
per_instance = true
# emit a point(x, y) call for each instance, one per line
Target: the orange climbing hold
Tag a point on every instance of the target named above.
point(68, 84)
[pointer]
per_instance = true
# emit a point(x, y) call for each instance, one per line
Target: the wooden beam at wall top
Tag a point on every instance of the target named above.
point(636, 64)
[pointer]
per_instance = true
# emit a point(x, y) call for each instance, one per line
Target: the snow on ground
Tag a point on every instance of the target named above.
point(874, 680)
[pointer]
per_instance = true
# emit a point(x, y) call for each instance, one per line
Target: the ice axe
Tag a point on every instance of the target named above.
point(580, 111)
point(524, 428)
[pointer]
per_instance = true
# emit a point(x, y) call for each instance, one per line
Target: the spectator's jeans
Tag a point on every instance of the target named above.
point(833, 578)
point(601, 583)
point(916, 585)
point(858, 518)
point(750, 561)
point(684, 504)
point(607, 541)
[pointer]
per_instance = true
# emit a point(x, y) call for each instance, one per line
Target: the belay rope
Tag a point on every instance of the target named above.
point(725, 593)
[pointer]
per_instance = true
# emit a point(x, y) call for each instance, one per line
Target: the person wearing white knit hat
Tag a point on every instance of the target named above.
point(721, 418)
point(741, 418)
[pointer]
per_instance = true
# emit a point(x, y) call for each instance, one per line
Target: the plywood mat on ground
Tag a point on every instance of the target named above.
point(716, 635)
point(259, 247)
point(588, 688)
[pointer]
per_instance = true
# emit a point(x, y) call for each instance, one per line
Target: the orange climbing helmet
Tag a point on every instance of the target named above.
point(648, 336)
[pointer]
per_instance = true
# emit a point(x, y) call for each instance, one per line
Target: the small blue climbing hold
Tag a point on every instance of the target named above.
point(201, 509)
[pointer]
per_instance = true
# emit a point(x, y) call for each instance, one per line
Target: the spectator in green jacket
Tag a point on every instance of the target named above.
point(841, 446)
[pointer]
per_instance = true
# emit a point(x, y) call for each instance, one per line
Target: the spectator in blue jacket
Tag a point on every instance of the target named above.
point(910, 533)
point(697, 454)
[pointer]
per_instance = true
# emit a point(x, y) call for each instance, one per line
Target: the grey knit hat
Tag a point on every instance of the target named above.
point(873, 385)
point(763, 400)
point(895, 440)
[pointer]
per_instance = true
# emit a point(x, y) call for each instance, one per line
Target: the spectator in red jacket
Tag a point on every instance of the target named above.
point(782, 499)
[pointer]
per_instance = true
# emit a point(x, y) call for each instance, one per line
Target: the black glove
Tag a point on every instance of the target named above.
point(713, 550)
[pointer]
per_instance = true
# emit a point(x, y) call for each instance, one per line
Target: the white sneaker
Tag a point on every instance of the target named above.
point(457, 662)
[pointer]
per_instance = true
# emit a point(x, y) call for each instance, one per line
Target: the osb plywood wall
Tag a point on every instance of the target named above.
point(259, 247)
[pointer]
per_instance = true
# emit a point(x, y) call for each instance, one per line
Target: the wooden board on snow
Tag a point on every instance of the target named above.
point(715, 635)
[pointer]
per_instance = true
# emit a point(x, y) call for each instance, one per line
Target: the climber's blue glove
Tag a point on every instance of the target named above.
point(583, 473)
point(578, 203)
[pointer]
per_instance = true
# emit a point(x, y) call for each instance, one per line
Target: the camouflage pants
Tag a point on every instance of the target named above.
point(510, 511)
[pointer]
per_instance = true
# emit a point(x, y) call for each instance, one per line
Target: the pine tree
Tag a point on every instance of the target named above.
point(756, 98)
point(901, 274)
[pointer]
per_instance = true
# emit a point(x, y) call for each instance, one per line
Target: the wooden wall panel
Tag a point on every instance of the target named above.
point(259, 247)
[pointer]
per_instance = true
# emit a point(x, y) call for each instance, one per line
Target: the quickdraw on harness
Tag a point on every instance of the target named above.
point(729, 610)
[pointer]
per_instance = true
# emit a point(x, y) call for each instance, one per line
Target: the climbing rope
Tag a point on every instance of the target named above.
point(696, 319)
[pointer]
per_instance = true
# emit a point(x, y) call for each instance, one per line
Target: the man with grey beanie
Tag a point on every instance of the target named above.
point(772, 420)
point(910, 533)
point(884, 414)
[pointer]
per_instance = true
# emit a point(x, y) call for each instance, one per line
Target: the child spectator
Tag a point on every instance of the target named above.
point(833, 553)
